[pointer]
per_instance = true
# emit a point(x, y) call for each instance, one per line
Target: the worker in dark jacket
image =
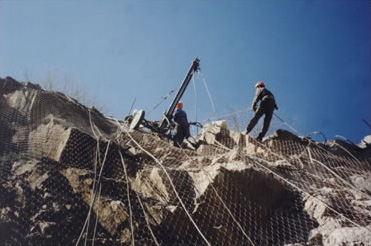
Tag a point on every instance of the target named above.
point(267, 106)
point(181, 125)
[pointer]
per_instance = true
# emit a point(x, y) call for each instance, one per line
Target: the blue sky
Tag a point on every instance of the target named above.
point(313, 55)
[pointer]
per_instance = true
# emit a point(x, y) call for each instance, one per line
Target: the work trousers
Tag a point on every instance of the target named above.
point(267, 108)
point(181, 132)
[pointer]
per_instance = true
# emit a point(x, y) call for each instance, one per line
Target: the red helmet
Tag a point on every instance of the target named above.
point(179, 105)
point(260, 84)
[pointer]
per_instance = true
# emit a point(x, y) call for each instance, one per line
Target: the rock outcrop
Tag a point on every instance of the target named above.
point(71, 176)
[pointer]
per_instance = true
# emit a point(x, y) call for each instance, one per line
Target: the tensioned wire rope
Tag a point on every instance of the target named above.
point(120, 131)
point(128, 197)
point(95, 190)
point(196, 99)
point(290, 183)
point(139, 199)
point(297, 132)
point(311, 141)
point(318, 162)
point(221, 200)
point(307, 193)
point(96, 182)
point(208, 92)
point(170, 181)
point(296, 187)
point(282, 120)
point(209, 176)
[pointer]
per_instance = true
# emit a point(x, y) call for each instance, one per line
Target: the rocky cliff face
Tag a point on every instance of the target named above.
point(71, 176)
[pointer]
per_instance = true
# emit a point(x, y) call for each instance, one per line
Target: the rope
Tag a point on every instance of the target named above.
point(329, 169)
point(163, 100)
point(317, 132)
point(295, 186)
point(172, 185)
point(96, 182)
point(366, 123)
point(311, 141)
point(219, 144)
point(311, 160)
point(341, 147)
point(128, 197)
point(303, 191)
point(132, 105)
point(146, 219)
point(220, 199)
point(274, 153)
point(226, 115)
point(335, 174)
point(345, 139)
point(96, 218)
point(208, 93)
point(284, 122)
point(196, 103)
point(97, 157)
point(140, 202)
point(94, 197)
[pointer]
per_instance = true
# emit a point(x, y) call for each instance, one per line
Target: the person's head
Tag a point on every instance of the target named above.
point(179, 105)
point(260, 84)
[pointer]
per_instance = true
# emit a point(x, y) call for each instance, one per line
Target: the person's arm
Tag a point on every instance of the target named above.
point(256, 98)
point(186, 119)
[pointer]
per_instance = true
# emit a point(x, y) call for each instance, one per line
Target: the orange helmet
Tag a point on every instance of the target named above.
point(260, 84)
point(179, 105)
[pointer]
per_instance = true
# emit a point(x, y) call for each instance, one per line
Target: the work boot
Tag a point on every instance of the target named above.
point(259, 138)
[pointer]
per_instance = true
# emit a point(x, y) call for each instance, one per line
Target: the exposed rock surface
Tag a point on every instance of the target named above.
point(68, 175)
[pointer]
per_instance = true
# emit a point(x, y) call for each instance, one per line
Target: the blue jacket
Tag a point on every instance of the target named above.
point(180, 117)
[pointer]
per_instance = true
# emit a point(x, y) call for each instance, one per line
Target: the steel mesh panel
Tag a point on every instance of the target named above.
point(69, 176)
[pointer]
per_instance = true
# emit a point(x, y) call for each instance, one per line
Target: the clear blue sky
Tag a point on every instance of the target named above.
point(313, 55)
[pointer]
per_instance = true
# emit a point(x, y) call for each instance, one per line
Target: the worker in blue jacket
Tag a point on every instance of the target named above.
point(181, 125)
point(267, 106)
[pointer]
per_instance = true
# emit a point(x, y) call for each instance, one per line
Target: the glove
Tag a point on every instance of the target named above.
point(254, 108)
point(276, 107)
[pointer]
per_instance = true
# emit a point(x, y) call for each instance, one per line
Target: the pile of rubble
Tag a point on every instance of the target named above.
point(70, 176)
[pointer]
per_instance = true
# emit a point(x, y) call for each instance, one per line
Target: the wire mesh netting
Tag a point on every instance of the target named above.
point(69, 176)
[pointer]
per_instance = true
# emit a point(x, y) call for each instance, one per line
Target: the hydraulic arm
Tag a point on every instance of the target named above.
point(166, 118)
point(163, 126)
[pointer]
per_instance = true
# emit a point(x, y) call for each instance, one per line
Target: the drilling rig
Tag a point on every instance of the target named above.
point(164, 125)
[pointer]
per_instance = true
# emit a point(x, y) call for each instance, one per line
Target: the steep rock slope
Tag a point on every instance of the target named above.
point(71, 176)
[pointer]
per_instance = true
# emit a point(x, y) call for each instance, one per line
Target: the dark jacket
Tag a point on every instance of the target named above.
point(262, 94)
point(180, 117)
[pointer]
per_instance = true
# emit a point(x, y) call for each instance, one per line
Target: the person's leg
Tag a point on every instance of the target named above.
point(267, 120)
point(255, 119)
point(178, 137)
